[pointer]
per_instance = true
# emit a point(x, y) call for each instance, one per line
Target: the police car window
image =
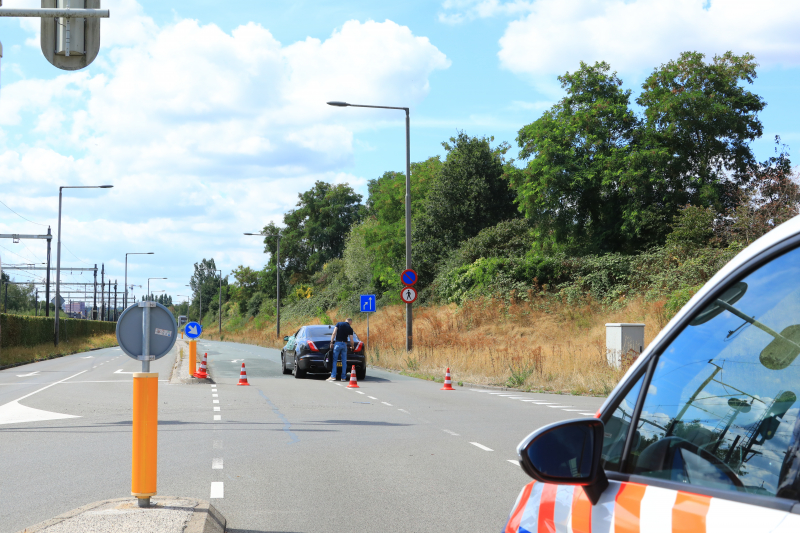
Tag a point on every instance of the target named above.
point(721, 410)
point(616, 428)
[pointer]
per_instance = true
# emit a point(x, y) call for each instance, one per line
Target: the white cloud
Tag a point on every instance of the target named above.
point(202, 132)
point(458, 11)
point(635, 36)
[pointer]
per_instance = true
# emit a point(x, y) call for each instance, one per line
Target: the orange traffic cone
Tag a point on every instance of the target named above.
point(447, 383)
point(202, 373)
point(243, 377)
point(353, 383)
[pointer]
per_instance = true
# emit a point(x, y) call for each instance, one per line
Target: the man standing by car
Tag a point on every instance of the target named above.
point(339, 339)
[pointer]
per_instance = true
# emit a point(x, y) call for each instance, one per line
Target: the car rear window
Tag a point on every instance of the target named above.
point(312, 332)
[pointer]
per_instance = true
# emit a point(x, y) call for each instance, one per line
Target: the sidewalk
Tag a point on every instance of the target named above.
point(122, 515)
point(181, 373)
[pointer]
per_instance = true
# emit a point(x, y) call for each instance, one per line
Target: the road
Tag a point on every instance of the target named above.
point(284, 454)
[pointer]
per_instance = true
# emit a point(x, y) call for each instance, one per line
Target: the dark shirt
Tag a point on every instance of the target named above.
point(343, 330)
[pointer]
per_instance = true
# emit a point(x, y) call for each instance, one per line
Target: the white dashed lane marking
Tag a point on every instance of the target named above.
point(372, 397)
point(217, 417)
point(403, 410)
point(386, 403)
point(217, 489)
point(453, 433)
point(481, 446)
point(513, 461)
point(216, 463)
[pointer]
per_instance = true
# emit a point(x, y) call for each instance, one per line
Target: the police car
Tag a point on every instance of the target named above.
point(702, 433)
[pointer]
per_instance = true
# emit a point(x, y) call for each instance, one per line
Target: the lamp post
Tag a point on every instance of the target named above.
point(220, 303)
point(200, 290)
point(148, 285)
point(125, 298)
point(58, 248)
point(278, 286)
point(409, 317)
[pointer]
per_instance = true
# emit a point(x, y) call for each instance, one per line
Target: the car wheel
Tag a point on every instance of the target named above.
point(283, 364)
point(361, 372)
point(298, 374)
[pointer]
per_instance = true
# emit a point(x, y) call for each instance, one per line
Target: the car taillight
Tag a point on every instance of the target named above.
point(311, 345)
point(359, 347)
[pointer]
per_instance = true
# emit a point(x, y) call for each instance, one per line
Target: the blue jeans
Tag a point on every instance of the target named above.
point(339, 352)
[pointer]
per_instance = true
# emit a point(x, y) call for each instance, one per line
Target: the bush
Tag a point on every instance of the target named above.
point(17, 330)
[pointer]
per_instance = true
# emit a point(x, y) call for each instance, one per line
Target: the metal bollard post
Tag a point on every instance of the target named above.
point(192, 357)
point(145, 436)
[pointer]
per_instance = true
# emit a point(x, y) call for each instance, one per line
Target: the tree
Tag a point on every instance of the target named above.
point(468, 195)
point(246, 285)
point(578, 149)
point(205, 281)
point(385, 240)
point(315, 231)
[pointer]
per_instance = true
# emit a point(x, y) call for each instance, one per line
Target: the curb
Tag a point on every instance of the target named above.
point(180, 371)
point(205, 517)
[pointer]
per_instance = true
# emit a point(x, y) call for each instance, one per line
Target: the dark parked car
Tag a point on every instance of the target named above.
point(305, 352)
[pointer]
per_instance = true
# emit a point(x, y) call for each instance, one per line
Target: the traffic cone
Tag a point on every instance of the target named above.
point(447, 383)
point(202, 373)
point(353, 383)
point(243, 377)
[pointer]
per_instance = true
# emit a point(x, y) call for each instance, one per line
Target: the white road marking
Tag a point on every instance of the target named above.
point(48, 386)
point(15, 413)
point(121, 372)
point(406, 412)
point(88, 357)
point(505, 395)
point(386, 403)
point(534, 401)
point(358, 391)
point(372, 397)
point(215, 395)
point(494, 393)
point(214, 401)
point(544, 403)
point(217, 489)
point(217, 417)
point(216, 463)
point(558, 406)
point(513, 461)
point(339, 384)
point(573, 409)
point(217, 444)
point(27, 375)
point(481, 446)
point(453, 433)
point(587, 414)
point(216, 409)
point(478, 390)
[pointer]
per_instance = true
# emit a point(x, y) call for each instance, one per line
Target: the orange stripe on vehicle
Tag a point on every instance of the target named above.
point(581, 512)
point(628, 508)
point(689, 513)
point(547, 509)
point(516, 516)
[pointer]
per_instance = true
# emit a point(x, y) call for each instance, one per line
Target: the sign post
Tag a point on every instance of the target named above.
point(193, 330)
point(145, 332)
point(367, 306)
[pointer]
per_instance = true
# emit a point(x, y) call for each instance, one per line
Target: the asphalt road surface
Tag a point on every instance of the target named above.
point(284, 454)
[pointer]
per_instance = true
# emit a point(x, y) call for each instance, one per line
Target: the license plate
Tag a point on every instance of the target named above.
point(339, 364)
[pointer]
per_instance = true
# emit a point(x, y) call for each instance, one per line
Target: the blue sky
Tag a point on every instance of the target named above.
point(209, 117)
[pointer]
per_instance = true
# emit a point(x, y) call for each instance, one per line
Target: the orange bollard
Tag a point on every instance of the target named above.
point(145, 436)
point(192, 357)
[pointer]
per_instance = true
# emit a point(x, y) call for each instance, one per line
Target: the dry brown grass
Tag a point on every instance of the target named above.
point(30, 354)
point(530, 345)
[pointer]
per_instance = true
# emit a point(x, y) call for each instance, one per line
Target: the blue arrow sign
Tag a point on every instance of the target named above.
point(367, 303)
point(193, 330)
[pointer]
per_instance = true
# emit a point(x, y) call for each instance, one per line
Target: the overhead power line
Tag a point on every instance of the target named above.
point(22, 217)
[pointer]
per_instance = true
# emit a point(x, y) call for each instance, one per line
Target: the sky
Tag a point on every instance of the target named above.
point(209, 117)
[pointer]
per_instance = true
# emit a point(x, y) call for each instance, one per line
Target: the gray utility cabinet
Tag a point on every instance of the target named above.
point(623, 341)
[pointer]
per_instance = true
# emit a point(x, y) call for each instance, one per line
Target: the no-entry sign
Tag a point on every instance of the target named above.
point(408, 295)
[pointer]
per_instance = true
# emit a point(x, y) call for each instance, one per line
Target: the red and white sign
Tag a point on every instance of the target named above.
point(408, 295)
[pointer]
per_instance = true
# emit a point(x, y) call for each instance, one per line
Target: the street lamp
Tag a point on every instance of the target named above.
point(126, 274)
point(148, 285)
point(199, 320)
point(408, 201)
point(278, 286)
point(58, 248)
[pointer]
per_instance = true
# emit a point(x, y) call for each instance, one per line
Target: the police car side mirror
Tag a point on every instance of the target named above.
point(286, 338)
point(567, 453)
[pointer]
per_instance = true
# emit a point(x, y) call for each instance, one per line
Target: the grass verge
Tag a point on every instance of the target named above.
point(17, 355)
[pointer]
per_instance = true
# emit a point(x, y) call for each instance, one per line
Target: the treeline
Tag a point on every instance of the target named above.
point(605, 201)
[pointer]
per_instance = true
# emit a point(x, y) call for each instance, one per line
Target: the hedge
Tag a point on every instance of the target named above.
point(19, 330)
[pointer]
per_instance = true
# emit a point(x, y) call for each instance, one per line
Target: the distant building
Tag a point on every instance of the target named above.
point(76, 309)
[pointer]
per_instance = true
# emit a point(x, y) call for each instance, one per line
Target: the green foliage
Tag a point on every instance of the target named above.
point(245, 287)
point(205, 285)
point(16, 330)
point(679, 298)
point(469, 195)
point(358, 259)
point(693, 226)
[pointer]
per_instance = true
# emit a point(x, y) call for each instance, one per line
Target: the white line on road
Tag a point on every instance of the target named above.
point(218, 444)
point(216, 409)
point(558, 406)
point(587, 414)
point(217, 417)
point(217, 489)
point(88, 357)
point(215, 395)
point(494, 393)
point(453, 433)
point(216, 463)
point(214, 401)
point(573, 410)
point(481, 446)
point(406, 412)
point(27, 375)
point(372, 397)
point(513, 461)
point(358, 391)
point(48, 386)
point(386, 403)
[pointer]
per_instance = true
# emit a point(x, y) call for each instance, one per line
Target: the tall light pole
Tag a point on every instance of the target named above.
point(148, 285)
point(409, 342)
point(58, 248)
point(220, 304)
point(125, 298)
point(278, 286)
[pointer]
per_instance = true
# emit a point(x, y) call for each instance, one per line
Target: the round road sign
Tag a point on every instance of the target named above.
point(408, 295)
point(130, 334)
point(193, 330)
point(408, 277)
